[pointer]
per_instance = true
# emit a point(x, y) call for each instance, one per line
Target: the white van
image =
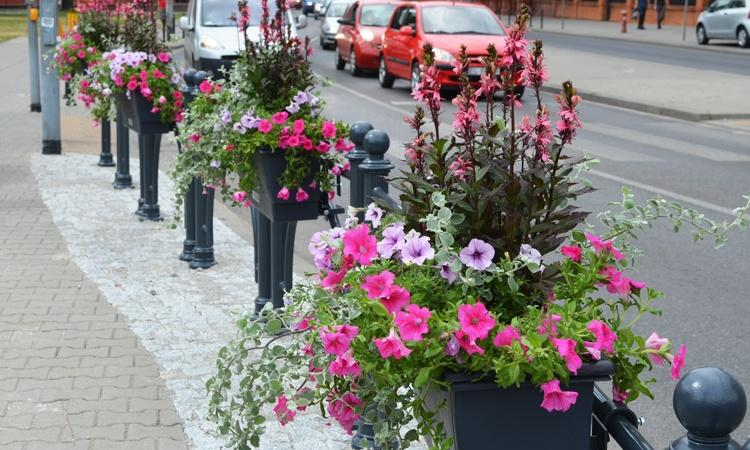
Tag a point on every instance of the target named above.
point(212, 39)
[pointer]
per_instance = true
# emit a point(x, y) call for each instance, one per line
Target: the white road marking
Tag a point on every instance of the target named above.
point(610, 152)
point(404, 103)
point(662, 192)
point(669, 144)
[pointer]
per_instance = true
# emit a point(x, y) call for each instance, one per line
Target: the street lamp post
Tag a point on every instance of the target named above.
point(32, 16)
point(50, 86)
point(684, 19)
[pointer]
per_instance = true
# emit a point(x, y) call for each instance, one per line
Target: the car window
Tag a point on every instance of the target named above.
point(336, 9)
point(349, 14)
point(403, 17)
point(719, 5)
point(737, 4)
point(460, 20)
point(191, 11)
point(220, 13)
point(376, 15)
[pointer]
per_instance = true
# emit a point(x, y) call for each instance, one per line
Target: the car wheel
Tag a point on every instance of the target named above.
point(340, 62)
point(416, 76)
point(353, 69)
point(743, 39)
point(700, 35)
point(384, 78)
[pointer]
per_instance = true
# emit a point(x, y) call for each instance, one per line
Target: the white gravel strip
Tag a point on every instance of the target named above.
point(181, 316)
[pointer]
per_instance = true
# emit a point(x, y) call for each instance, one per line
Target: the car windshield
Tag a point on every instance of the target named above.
point(218, 13)
point(459, 20)
point(376, 15)
point(336, 9)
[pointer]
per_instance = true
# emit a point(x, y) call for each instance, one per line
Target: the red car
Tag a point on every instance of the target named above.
point(445, 25)
point(358, 42)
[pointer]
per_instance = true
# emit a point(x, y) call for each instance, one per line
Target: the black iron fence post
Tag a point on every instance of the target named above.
point(710, 404)
point(123, 179)
point(105, 157)
point(188, 244)
point(356, 156)
point(376, 167)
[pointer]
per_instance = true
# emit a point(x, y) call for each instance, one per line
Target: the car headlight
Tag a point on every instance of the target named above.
point(367, 35)
point(443, 55)
point(210, 43)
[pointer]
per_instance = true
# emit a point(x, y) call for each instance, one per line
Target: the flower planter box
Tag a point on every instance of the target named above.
point(482, 416)
point(270, 165)
point(136, 111)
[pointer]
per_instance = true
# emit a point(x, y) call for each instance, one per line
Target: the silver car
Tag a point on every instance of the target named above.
point(725, 19)
point(329, 27)
point(212, 39)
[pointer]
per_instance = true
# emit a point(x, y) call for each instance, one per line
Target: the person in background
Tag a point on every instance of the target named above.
point(642, 6)
point(661, 11)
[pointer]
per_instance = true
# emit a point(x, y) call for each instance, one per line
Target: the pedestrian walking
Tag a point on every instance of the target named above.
point(642, 7)
point(661, 11)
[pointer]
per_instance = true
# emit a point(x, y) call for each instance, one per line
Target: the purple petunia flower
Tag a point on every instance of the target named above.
point(393, 240)
point(249, 122)
point(477, 255)
point(301, 98)
point(293, 108)
point(417, 250)
point(226, 117)
point(374, 215)
point(215, 164)
point(448, 274)
point(239, 128)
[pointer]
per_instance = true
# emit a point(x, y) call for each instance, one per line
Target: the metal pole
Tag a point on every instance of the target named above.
point(32, 16)
point(376, 167)
point(278, 242)
point(105, 157)
point(355, 157)
point(50, 85)
point(122, 174)
point(684, 20)
point(203, 253)
point(263, 246)
point(188, 245)
point(149, 146)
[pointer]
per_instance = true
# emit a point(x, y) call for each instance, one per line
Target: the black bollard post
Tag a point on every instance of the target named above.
point(254, 222)
point(355, 157)
point(149, 146)
point(278, 260)
point(710, 404)
point(123, 179)
point(203, 253)
point(105, 157)
point(376, 167)
point(189, 203)
point(262, 236)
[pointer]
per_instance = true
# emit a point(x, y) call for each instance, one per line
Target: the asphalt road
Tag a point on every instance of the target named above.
point(704, 166)
point(683, 57)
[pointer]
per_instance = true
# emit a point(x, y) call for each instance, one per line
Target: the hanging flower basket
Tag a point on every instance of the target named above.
point(139, 117)
point(270, 165)
point(478, 414)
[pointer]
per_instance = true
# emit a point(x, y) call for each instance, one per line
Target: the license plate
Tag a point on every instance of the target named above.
point(475, 71)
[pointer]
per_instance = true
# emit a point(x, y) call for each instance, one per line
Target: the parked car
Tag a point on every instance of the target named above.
point(296, 4)
point(329, 27)
point(212, 39)
point(725, 19)
point(311, 7)
point(446, 25)
point(359, 40)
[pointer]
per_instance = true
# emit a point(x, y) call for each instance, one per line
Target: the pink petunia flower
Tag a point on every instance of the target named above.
point(344, 410)
point(549, 325)
point(395, 299)
point(205, 87)
point(345, 365)
point(378, 286)
point(556, 399)
point(477, 255)
point(475, 320)
point(280, 117)
point(164, 57)
point(567, 349)
point(618, 395)
point(678, 362)
point(265, 126)
point(572, 252)
point(301, 195)
point(239, 196)
point(282, 411)
point(360, 244)
point(605, 337)
point(412, 323)
point(602, 246)
point(468, 343)
point(329, 130)
point(506, 337)
point(392, 346)
point(283, 193)
point(338, 341)
point(298, 126)
point(654, 342)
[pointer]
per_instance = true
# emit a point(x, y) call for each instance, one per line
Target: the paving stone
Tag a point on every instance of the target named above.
point(142, 444)
point(116, 405)
point(148, 418)
point(49, 435)
point(114, 432)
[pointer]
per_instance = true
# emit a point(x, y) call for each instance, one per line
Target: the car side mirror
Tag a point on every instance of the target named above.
point(301, 21)
point(346, 22)
point(407, 30)
point(184, 23)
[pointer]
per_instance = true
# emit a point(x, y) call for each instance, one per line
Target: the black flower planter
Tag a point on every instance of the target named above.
point(482, 416)
point(269, 166)
point(136, 111)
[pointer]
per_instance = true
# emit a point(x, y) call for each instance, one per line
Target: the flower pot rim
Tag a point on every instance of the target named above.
point(597, 371)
